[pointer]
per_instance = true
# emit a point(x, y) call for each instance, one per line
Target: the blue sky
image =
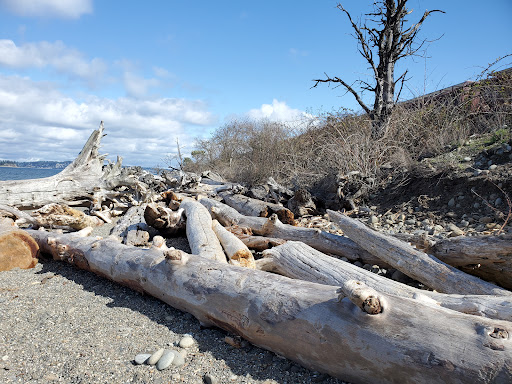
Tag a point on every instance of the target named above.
point(156, 71)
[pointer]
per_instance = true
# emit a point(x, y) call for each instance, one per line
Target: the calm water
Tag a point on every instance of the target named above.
point(11, 173)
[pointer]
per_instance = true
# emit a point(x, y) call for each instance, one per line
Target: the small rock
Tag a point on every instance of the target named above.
point(5, 358)
point(464, 223)
point(368, 267)
point(399, 276)
point(451, 203)
point(438, 228)
point(179, 359)
point(493, 167)
point(491, 225)
point(176, 376)
point(476, 205)
point(210, 379)
point(358, 264)
point(498, 201)
point(232, 341)
point(153, 359)
point(486, 220)
point(452, 215)
point(466, 159)
point(344, 259)
point(141, 358)
point(410, 222)
point(186, 342)
point(374, 219)
point(165, 361)
point(375, 269)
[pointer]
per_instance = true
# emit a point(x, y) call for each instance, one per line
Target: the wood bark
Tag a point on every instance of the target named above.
point(17, 248)
point(272, 227)
point(80, 183)
point(253, 207)
point(304, 321)
point(201, 238)
point(416, 264)
point(236, 250)
point(299, 261)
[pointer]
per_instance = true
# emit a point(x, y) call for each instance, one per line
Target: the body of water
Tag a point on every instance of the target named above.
point(15, 173)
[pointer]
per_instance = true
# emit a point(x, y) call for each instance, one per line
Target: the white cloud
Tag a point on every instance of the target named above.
point(137, 86)
point(65, 9)
point(279, 111)
point(54, 55)
point(37, 121)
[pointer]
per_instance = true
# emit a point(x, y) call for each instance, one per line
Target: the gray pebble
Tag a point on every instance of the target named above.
point(210, 379)
point(498, 201)
point(155, 357)
point(374, 219)
point(186, 342)
point(467, 158)
point(179, 359)
point(166, 360)
point(176, 376)
point(493, 167)
point(141, 358)
point(451, 203)
point(358, 264)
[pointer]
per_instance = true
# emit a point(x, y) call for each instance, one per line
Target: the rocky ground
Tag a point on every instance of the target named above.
point(61, 324)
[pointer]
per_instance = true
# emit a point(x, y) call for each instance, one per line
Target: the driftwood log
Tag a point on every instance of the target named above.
point(316, 325)
point(416, 264)
point(167, 221)
point(201, 237)
point(299, 261)
point(17, 248)
point(132, 229)
point(80, 183)
point(236, 250)
point(272, 227)
point(253, 207)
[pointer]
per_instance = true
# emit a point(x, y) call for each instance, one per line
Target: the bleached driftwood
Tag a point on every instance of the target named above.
point(167, 221)
point(253, 207)
point(407, 342)
point(236, 250)
point(80, 183)
point(299, 261)
point(272, 227)
point(416, 264)
point(258, 243)
point(17, 248)
point(132, 229)
point(201, 238)
point(62, 216)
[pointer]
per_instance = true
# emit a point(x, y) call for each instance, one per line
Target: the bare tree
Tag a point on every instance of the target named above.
point(382, 46)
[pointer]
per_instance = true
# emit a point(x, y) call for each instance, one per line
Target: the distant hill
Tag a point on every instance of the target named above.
point(35, 164)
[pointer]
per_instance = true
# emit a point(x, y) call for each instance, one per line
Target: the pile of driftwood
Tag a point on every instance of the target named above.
point(297, 298)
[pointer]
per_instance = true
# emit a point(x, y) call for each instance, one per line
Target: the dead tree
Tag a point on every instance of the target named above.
point(382, 46)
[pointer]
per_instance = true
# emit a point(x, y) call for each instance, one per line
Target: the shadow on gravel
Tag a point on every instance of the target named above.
point(247, 360)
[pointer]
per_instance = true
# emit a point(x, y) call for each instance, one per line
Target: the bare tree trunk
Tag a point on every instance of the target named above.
point(299, 261)
point(418, 265)
point(304, 321)
point(82, 182)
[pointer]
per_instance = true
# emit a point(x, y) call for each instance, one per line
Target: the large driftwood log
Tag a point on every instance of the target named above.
point(299, 261)
point(17, 248)
point(201, 238)
point(253, 207)
point(406, 342)
point(416, 264)
point(81, 182)
point(167, 221)
point(272, 227)
point(61, 216)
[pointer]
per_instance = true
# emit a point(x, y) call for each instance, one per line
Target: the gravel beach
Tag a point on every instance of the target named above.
point(59, 324)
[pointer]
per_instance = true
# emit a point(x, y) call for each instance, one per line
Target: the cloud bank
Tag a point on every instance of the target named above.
point(279, 111)
point(63, 9)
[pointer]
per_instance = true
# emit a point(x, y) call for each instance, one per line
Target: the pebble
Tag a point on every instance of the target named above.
point(358, 264)
point(438, 228)
point(451, 203)
point(210, 379)
point(467, 158)
point(493, 167)
point(410, 221)
point(179, 359)
point(166, 360)
point(186, 342)
point(486, 220)
point(155, 357)
point(141, 358)
point(476, 205)
point(464, 223)
point(498, 201)
point(176, 376)
point(374, 219)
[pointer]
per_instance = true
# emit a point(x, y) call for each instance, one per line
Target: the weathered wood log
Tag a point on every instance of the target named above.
point(416, 264)
point(252, 207)
point(132, 229)
point(258, 243)
point(80, 183)
point(62, 216)
point(299, 261)
point(407, 342)
point(272, 227)
point(17, 248)
point(20, 217)
point(167, 221)
point(236, 250)
point(201, 238)
point(488, 257)
point(301, 203)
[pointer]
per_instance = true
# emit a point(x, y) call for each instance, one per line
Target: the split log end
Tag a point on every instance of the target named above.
point(362, 296)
